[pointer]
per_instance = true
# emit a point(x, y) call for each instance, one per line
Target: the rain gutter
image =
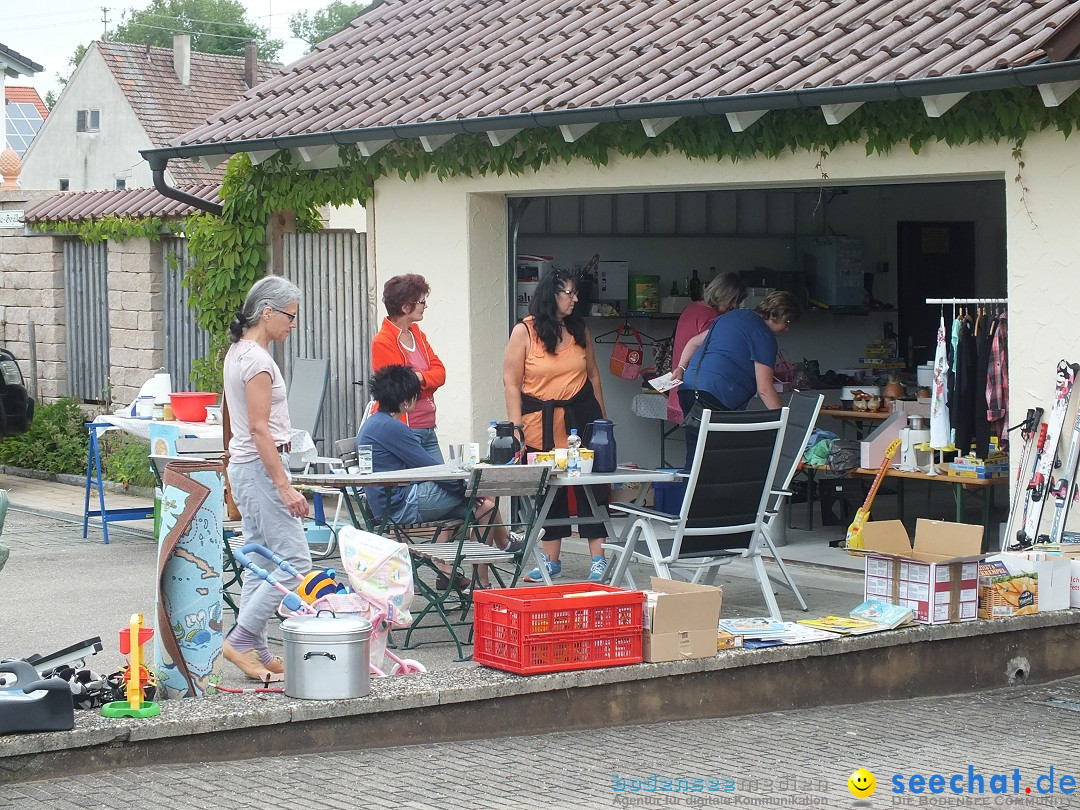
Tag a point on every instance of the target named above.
point(1001, 79)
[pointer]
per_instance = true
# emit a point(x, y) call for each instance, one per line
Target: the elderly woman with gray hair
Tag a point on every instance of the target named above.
point(270, 507)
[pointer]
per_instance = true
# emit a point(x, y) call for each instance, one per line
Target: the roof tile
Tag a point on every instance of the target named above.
point(407, 62)
point(136, 202)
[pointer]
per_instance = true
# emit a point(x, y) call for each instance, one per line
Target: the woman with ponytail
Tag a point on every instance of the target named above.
point(270, 507)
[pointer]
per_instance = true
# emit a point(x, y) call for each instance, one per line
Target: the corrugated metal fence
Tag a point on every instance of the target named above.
point(87, 290)
point(185, 341)
point(330, 268)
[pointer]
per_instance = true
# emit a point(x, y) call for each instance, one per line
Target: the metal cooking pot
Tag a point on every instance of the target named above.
point(326, 656)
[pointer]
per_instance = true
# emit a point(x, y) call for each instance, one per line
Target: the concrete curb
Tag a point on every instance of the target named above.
point(479, 702)
point(76, 481)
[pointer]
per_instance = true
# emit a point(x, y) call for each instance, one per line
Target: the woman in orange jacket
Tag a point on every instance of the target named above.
point(401, 343)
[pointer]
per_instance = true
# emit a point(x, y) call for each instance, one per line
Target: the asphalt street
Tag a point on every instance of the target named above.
point(1008, 740)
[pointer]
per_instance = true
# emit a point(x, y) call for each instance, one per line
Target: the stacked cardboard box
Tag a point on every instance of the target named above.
point(937, 576)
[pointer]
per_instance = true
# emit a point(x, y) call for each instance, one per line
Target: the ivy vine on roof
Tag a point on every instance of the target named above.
point(228, 254)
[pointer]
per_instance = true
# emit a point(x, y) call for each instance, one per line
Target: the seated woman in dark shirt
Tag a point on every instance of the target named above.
point(395, 447)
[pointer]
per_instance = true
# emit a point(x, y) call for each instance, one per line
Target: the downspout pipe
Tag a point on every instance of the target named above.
point(158, 165)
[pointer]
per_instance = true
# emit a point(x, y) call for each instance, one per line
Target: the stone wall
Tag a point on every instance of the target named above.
point(32, 292)
point(136, 315)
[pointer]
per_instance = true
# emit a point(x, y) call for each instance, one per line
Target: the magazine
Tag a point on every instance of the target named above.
point(665, 382)
point(756, 627)
point(845, 625)
point(876, 610)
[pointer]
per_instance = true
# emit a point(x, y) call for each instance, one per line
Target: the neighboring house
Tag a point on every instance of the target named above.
point(124, 98)
point(12, 65)
point(973, 220)
point(25, 113)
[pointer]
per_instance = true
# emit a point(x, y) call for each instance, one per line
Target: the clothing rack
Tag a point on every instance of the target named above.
point(967, 300)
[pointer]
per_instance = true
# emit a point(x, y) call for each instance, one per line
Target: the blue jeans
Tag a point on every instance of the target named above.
point(430, 442)
point(427, 501)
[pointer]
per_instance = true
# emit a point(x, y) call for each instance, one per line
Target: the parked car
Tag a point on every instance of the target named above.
point(16, 404)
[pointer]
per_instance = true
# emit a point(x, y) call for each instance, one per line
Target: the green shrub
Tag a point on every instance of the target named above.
point(56, 441)
point(125, 460)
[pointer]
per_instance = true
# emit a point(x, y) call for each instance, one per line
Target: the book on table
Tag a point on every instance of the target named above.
point(877, 610)
point(844, 625)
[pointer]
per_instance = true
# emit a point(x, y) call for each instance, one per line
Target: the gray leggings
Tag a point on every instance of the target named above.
point(267, 522)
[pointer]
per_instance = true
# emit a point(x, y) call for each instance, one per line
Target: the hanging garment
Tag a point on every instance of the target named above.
point(997, 381)
point(940, 425)
point(967, 373)
point(982, 422)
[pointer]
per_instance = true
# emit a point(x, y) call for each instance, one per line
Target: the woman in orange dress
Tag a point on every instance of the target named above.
point(552, 384)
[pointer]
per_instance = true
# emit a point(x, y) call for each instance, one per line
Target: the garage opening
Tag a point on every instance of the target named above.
point(863, 259)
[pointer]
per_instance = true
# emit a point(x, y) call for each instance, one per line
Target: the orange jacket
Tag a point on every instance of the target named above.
point(386, 350)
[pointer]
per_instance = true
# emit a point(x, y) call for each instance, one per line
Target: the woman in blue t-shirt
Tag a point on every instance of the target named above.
point(727, 365)
point(394, 447)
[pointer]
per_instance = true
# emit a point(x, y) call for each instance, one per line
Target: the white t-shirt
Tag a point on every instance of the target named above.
point(244, 360)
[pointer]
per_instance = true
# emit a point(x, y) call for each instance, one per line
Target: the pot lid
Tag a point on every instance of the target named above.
point(327, 623)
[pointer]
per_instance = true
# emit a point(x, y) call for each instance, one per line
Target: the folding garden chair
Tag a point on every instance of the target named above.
point(723, 514)
point(467, 548)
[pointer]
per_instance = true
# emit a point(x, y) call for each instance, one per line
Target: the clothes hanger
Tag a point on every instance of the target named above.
point(625, 330)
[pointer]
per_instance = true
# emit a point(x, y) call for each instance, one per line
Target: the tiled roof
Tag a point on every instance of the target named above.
point(165, 107)
point(28, 66)
point(26, 95)
point(135, 203)
point(407, 63)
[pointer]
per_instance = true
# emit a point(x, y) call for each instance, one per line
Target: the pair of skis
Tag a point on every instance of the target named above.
point(1041, 485)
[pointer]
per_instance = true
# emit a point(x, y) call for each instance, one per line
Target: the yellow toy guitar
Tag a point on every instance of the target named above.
point(854, 532)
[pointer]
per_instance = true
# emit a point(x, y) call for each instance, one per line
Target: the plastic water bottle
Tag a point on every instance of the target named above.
point(492, 433)
point(573, 453)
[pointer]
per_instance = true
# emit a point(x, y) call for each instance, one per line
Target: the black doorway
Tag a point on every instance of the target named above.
point(934, 260)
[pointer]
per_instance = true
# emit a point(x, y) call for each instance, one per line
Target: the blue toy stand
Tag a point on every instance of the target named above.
point(93, 478)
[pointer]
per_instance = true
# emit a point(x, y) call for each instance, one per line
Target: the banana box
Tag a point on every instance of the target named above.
point(1004, 592)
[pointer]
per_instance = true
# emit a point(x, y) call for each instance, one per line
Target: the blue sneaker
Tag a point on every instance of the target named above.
point(554, 570)
point(599, 566)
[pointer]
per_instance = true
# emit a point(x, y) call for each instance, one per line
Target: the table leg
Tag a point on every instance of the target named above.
point(988, 502)
point(615, 574)
point(531, 543)
point(900, 498)
point(958, 494)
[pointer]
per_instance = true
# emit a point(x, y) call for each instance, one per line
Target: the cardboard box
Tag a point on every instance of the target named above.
point(937, 576)
point(525, 292)
point(611, 280)
point(680, 621)
point(531, 268)
point(1054, 573)
point(1007, 589)
point(872, 448)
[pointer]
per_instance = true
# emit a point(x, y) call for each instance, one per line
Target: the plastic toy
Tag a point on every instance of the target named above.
point(317, 584)
point(136, 676)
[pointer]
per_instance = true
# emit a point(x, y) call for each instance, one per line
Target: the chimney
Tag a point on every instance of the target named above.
point(181, 57)
point(251, 63)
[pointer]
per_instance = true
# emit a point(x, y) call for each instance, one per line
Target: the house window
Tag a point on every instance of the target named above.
point(65, 184)
point(121, 183)
point(87, 120)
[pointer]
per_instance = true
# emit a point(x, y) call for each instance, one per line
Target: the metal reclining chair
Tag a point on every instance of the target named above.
point(724, 512)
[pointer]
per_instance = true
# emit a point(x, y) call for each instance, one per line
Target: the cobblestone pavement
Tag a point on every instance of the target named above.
point(789, 759)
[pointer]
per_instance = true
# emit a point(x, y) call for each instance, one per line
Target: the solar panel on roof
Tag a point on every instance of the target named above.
point(23, 122)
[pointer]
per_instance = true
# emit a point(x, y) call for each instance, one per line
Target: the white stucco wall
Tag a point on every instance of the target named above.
point(454, 232)
point(91, 161)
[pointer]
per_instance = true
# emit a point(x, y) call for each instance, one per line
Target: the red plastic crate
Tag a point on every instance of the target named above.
point(548, 629)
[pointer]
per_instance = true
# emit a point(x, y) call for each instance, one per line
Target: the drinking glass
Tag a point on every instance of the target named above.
point(363, 459)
